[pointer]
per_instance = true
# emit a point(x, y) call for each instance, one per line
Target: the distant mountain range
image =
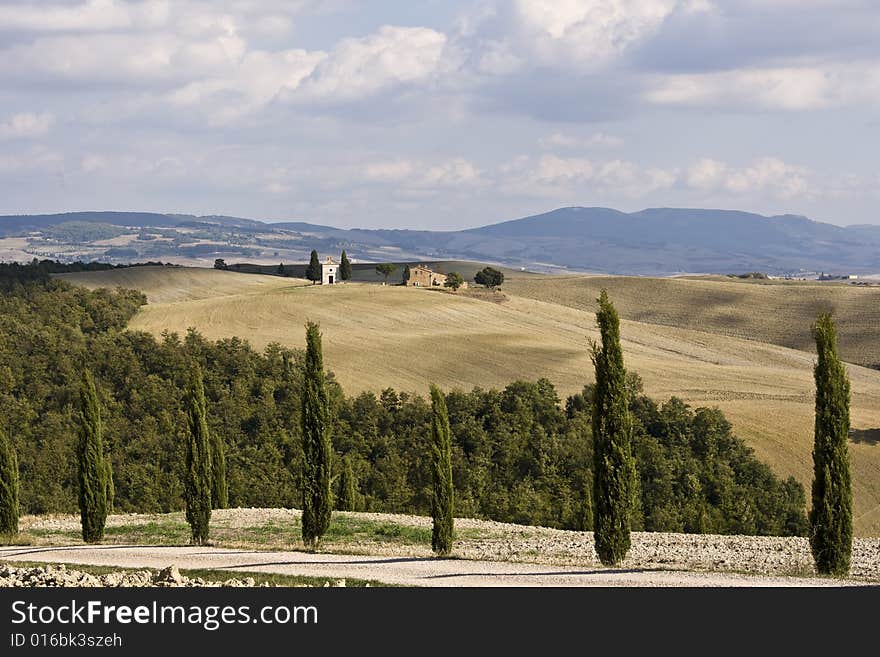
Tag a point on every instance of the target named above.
point(657, 241)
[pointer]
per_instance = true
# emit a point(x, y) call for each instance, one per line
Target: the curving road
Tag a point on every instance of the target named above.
point(406, 571)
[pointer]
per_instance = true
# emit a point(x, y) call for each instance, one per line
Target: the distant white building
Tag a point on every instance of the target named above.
point(329, 272)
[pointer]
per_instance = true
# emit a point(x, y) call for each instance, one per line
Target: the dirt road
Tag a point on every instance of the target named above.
point(408, 571)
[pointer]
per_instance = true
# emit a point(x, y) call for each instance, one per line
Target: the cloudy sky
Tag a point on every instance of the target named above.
point(439, 113)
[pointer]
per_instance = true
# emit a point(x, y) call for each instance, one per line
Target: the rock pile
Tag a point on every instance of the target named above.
point(50, 576)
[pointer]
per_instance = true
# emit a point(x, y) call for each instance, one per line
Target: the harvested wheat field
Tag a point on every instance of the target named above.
point(778, 312)
point(377, 336)
point(172, 284)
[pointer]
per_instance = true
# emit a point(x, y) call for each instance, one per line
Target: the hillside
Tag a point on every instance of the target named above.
point(656, 241)
point(376, 337)
point(779, 313)
point(173, 284)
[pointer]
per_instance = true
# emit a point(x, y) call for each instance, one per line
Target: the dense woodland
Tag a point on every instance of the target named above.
point(520, 454)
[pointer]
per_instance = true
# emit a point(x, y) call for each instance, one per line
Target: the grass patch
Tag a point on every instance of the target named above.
point(346, 529)
point(344, 533)
point(153, 533)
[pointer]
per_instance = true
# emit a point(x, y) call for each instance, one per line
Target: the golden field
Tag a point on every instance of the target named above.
point(377, 336)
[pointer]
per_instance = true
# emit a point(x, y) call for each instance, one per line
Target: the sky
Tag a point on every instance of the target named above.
point(439, 114)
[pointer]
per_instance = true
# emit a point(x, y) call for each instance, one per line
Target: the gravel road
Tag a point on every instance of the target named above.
point(486, 553)
point(409, 571)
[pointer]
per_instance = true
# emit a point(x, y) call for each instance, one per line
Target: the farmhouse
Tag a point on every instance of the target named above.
point(423, 276)
point(329, 272)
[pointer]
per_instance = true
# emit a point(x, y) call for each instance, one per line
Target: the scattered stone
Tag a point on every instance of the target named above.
point(168, 576)
point(52, 576)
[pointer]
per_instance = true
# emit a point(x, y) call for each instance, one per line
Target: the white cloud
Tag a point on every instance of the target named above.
point(595, 140)
point(584, 33)
point(277, 188)
point(785, 88)
point(415, 174)
point(392, 171)
point(133, 60)
point(26, 124)
point(360, 67)
point(250, 85)
point(551, 175)
point(764, 175)
point(89, 16)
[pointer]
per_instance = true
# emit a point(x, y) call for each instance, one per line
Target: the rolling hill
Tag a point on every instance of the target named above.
point(388, 336)
point(656, 241)
point(777, 312)
point(164, 285)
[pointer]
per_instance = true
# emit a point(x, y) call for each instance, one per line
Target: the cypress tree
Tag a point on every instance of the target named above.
point(344, 268)
point(8, 487)
point(198, 474)
point(219, 489)
point(441, 467)
point(347, 500)
point(92, 472)
point(313, 271)
point(110, 488)
point(586, 511)
point(613, 467)
point(315, 424)
point(831, 512)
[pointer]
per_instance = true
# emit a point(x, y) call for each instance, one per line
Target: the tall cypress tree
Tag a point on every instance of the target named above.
point(315, 423)
point(92, 471)
point(313, 271)
point(109, 486)
point(8, 487)
point(347, 500)
point(219, 488)
point(613, 466)
point(345, 268)
point(831, 512)
point(441, 467)
point(198, 475)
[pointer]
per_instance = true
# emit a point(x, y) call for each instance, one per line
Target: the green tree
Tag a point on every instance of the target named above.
point(406, 274)
point(386, 269)
point(220, 263)
point(219, 488)
point(345, 268)
point(315, 424)
point(280, 269)
point(441, 468)
point(197, 487)
point(8, 487)
point(91, 470)
point(454, 280)
point(490, 277)
point(586, 510)
point(313, 271)
point(347, 500)
point(110, 487)
point(613, 465)
point(831, 513)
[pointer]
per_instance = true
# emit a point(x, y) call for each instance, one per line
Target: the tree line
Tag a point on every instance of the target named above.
point(608, 458)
